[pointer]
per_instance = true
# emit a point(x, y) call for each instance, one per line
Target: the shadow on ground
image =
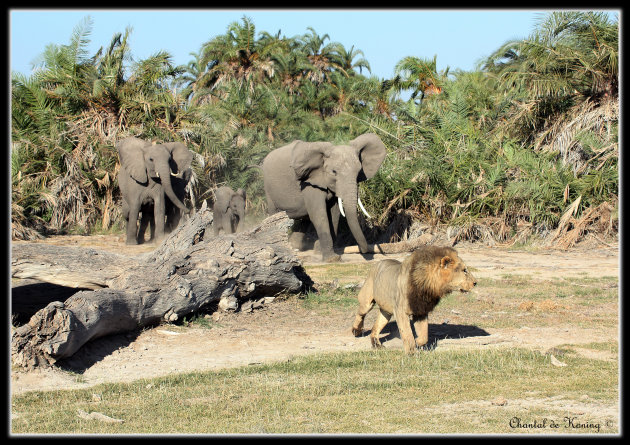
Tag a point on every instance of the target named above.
point(34, 295)
point(96, 350)
point(437, 332)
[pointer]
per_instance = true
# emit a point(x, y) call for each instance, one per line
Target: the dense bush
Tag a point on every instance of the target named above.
point(529, 135)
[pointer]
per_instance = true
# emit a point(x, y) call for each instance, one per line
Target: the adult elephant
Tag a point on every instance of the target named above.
point(145, 177)
point(181, 161)
point(314, 179)
point(228, 210)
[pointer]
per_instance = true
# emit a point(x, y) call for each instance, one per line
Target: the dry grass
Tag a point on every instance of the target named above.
point(369, 392)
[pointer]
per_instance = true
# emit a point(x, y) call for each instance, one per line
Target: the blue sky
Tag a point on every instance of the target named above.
point(459, 38)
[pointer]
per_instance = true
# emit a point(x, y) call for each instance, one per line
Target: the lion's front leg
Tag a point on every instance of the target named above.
point(421, 326)
point(404, 327)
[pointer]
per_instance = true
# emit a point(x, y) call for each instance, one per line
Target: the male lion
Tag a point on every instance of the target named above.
point(411, 288)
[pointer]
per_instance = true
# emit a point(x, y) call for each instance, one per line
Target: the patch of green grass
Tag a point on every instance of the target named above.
point(329, 297)
point(382, 391)
point(199, 320)
point(603, 346)
point(341, 272)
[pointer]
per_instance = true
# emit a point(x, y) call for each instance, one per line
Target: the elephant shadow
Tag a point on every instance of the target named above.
point(437, 332)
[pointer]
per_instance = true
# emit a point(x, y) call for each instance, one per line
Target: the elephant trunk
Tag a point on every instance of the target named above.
point(164, 173)
point(349, 194)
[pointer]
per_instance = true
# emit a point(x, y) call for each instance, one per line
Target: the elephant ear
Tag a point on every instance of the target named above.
point(371, 151)
point(180, 154)
point(131, 155)
point(241, 192)
point(308, 156)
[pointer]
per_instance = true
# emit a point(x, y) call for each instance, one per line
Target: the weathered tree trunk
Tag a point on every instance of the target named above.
point(403, 246)
point(186, 272)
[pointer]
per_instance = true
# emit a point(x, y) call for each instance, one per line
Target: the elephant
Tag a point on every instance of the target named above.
point(182, 161)
point(314, 179)
point(145, 177)
point(228, 210)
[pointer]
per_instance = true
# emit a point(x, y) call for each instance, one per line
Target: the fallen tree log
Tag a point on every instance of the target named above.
point(185, 273)
point(400, 247)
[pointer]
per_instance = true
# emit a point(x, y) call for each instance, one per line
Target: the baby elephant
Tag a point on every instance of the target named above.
point(229, 209)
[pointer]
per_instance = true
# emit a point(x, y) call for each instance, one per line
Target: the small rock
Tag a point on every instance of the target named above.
point(556, 362)
point(247, 306)
point(228, 304)
point(98, 416)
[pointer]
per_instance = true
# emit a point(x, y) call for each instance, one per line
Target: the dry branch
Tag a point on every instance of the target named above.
point(185, 273)
point(400, 247)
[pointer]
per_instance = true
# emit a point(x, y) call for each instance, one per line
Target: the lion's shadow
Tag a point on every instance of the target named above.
point(437, 332)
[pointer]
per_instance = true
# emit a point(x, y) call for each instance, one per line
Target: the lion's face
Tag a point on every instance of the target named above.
point(455, 273)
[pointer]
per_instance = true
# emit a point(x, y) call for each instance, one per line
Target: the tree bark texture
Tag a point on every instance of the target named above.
point(186, 272)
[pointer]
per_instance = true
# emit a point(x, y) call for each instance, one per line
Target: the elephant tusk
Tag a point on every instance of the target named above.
point(157, 174)
point(363, 208)
point(341, 206)
point(174, 174)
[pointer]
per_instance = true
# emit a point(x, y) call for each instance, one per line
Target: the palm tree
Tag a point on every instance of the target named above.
point(419, 75)
point(235, 56)
point(346, 59)
point(320, 57)
point(570, 52)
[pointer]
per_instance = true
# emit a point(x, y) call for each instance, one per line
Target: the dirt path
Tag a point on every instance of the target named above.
point(283, 329)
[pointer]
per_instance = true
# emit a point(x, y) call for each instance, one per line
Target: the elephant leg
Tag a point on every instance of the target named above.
point(216, 222)
point(151, 228)
point(173, 216)
point(317, 210)
point(271, 207)
point(125, 210)
point(132, 223)
point(145, 220)
point(225, 224)
point(158, 216)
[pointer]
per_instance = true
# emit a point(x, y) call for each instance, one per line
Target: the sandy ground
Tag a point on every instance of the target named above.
point(283, 329)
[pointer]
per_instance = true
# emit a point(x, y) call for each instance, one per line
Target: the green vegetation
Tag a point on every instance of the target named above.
point(503, 152)
point(362, 392)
